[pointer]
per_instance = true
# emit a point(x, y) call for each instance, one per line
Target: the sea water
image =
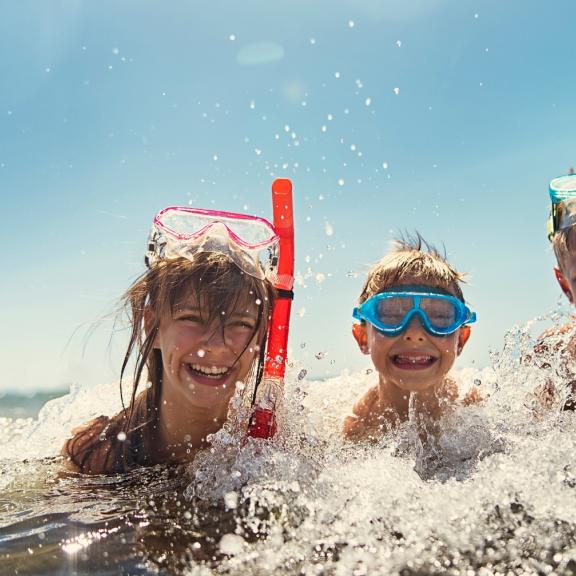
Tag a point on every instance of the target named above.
point(492, 493)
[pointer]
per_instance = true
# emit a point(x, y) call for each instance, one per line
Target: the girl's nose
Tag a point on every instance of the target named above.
point(214, 337)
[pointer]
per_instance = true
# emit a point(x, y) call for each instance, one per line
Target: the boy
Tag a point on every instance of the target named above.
point(561, 340)
point(413, 324)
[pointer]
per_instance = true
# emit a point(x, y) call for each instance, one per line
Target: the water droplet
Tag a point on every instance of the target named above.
point(121, 436)
point(231, 544)
point(351, 23)
point(201, 353)
point(320, 355)
point(328, 229)
point(231, 500)
point(232, 37)
point(302, 374)
point(396, 91)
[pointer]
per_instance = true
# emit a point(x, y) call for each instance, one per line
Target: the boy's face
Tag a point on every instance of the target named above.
point(414, 360)
point(566, 276)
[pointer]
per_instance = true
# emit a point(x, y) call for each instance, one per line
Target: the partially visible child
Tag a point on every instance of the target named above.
point(198, 317)
point(413, 324)
point(560, 342)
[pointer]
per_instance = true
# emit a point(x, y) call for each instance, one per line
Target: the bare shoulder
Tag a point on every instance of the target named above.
point(556, 340)
point(95, 447)
point(358, 424)
point(366, 403)
point(554, 337)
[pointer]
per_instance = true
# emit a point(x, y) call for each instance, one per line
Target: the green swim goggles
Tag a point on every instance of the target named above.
point(391, 312)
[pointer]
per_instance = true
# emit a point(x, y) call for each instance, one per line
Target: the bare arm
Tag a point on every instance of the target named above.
point(95, 448)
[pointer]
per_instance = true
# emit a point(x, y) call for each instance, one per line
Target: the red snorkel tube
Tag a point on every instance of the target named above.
point(263, 420)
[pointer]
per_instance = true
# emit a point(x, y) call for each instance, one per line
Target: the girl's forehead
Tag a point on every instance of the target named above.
point(241, 302)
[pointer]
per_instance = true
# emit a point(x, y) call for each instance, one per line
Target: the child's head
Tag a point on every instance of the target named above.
point(413, 317)
point(199, 326)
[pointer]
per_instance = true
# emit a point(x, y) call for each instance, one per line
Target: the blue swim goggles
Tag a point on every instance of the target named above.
point(390, 312)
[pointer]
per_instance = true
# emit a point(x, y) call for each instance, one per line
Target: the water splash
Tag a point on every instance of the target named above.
point(490, 489)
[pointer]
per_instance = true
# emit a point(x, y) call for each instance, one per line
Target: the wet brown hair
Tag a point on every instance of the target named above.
point(412, 256)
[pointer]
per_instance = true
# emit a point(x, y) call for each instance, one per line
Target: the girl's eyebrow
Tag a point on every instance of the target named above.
point(244, 315)
point(184, 307)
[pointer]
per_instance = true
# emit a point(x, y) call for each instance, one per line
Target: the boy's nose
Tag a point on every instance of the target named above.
point(415, 330)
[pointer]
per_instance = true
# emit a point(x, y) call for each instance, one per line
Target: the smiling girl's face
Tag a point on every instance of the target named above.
point(205, 354)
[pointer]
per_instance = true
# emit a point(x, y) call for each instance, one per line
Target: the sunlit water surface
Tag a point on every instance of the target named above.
point(494, 493)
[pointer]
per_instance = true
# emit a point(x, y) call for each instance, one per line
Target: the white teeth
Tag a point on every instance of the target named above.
point(210, 370)
point(414, 359)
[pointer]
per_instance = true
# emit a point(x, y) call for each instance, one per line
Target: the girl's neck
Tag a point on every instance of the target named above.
point(183, 428)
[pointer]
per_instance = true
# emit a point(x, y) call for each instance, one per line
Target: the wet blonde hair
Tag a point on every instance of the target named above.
point(564, 242)
point(412, 257)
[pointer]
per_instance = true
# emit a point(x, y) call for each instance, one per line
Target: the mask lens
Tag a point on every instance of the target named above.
point(392, 310)
point(250, 242)
point(441, 313)
point(251, 232)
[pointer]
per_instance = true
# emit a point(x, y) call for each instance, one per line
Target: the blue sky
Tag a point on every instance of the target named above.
point(449, 117)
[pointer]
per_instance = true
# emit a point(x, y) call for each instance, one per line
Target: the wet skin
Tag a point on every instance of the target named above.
point(412, 362)
point(202, 363)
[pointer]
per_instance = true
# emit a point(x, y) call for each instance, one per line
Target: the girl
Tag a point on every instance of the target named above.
point(199, 317)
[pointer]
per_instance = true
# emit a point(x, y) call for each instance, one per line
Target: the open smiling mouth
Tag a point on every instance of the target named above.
point(211, 374)
point(413, 361)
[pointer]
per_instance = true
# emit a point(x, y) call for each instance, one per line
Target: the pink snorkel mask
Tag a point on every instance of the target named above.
point(249, 241)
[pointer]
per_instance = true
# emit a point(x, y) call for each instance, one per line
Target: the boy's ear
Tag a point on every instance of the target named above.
point(564, 284)
point(149, 323)
point(463, 335)
point(361, 337)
